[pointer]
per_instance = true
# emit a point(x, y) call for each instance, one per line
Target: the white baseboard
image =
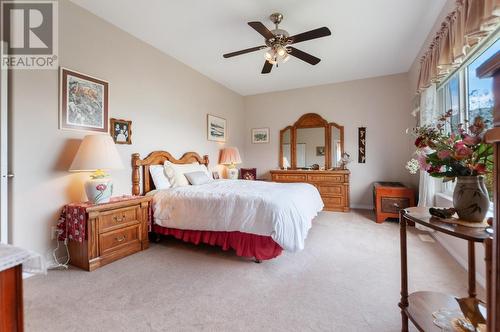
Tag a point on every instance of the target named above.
point(362, 206)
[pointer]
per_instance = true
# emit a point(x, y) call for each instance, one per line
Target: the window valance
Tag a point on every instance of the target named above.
point(463, 28)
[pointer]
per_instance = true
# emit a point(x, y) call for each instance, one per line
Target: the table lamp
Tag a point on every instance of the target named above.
point(230, 157)
point(286, 163)
point(96, 154)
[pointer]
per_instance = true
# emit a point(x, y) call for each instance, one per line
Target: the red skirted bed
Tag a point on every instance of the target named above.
point(244, 244)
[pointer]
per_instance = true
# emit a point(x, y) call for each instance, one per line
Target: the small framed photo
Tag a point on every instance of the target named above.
point(216, 128)
point(215, 175)
point(84, 102)
point(260, 135)
point(121, 131)
point(320, 151)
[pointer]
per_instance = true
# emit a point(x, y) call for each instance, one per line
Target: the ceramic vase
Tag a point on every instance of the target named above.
point(470, 198)
point(99, 190)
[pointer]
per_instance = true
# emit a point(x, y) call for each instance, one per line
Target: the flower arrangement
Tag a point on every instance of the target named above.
point(448, 155)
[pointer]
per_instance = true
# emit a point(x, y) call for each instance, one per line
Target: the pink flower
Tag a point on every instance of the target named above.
point(471, 140)
point(422, 161)
point(101, 187)
point(461, 150)
point(444, 154)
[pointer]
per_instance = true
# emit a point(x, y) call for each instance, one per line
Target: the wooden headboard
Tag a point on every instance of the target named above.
point(157, 158)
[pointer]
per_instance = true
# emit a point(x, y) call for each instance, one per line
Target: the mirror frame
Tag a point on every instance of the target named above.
point(311, 120)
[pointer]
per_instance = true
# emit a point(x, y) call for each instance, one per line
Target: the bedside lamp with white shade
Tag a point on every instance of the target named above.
point(96, 154)
point(230, 157)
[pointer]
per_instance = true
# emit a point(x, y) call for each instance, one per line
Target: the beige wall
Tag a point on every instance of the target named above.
point(166, 100)
point(380, 104)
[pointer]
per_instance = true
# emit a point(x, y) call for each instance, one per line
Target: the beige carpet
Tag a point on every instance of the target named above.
point(346, 279)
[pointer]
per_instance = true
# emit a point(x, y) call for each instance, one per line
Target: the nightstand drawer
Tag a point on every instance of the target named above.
point(120, 238)
point(118, 218)
point(394, 204)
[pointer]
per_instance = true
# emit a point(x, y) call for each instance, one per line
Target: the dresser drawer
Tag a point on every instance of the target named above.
point(325, 178)
point(289, 177)
point(394, 204)
point(118, 218)
point(119, 238)
point(332, 202)
point(331, 190)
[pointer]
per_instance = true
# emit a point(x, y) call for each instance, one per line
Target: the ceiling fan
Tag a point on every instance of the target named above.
point(278, 41)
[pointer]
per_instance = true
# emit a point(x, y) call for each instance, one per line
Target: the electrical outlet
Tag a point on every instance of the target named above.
point(53, 232)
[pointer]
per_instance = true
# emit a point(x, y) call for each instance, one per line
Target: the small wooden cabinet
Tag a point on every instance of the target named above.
point(333, 185)
point(114, 230)
point(389, 198)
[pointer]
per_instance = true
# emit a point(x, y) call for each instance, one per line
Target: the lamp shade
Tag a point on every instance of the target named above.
point(96, 152)
point(229, 156)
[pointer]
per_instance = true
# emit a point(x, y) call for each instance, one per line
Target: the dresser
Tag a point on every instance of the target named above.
point(103, 233)
point(333, 186)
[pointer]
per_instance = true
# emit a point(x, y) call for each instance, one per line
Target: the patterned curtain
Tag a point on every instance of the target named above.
point(464, 28)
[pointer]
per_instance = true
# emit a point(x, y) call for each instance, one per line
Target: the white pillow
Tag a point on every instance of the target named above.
point(159, 177)
point(175, 172)
point(198, 177)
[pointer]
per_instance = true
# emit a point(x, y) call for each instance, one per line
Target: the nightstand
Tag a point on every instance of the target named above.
point(99, 234)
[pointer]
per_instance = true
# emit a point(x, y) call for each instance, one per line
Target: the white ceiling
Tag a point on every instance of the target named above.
point(369, 37)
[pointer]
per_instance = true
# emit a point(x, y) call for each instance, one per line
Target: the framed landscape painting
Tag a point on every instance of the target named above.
point(84, 102)
point(260, 135)
point(216, 128)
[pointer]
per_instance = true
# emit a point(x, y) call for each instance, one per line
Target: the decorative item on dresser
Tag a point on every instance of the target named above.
point(315, 148)
point(248, 173)
point(97, 153)
point(103, 233)
point(389, 198)
point(333, 186)
point(230, 157)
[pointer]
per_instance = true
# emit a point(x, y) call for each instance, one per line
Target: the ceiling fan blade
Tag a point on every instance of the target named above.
point(248, 50)
point(311, 59)
point(261, 28)
point(267, 67)
point(313, 34)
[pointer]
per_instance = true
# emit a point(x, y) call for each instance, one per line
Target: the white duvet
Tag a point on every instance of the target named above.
point(283, 211)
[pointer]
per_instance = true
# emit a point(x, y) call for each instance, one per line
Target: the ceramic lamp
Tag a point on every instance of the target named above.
point(230, 157)
point(96, 154)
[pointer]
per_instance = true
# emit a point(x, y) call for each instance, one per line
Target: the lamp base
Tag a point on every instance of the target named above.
point(232, 173)
point(99, 190)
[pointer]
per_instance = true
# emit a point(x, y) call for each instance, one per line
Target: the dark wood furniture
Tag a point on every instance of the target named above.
point(333, 186)
point(389, 198)
point(11, 299)
point(114, 230)
point(491, 68)
point(419, 306)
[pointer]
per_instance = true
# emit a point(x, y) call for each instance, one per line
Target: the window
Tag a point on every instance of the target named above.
point(468, 96)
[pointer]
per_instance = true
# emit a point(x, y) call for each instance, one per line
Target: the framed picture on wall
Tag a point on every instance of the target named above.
point(121, 131)
point(216, 128)
point(84, 102)
point(320, 151)
point(260, 135)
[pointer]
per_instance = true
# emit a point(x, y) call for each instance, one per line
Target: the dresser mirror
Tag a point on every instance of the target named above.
point(311, 143)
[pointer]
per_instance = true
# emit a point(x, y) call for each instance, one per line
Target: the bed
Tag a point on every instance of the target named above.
point(256, 219)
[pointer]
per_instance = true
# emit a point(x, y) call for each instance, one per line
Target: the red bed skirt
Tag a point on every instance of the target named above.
point(246, 245)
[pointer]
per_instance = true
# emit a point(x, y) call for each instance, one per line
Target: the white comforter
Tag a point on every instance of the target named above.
point(283, 211)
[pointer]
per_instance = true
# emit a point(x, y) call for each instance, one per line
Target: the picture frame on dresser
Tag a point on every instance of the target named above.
point(83, 102)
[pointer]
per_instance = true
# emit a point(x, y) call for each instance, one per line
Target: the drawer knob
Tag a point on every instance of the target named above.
point(396, 205)
point(120, 239)
point(118, 218)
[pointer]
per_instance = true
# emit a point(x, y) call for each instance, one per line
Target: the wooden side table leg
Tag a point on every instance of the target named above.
point(403, 304)
point(472, 269)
